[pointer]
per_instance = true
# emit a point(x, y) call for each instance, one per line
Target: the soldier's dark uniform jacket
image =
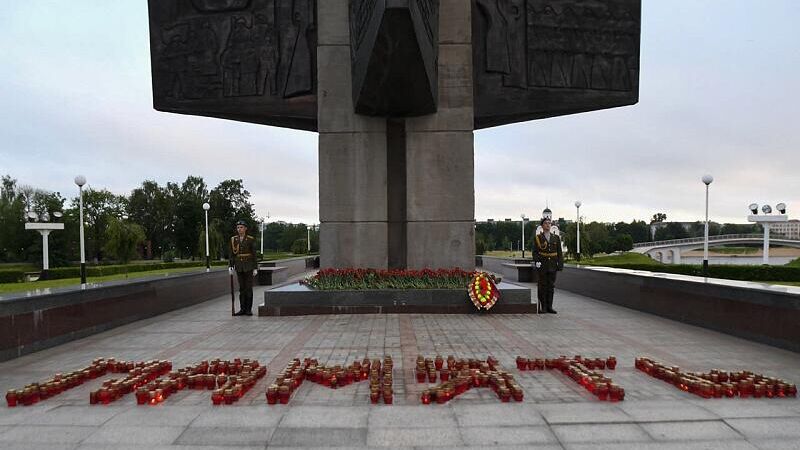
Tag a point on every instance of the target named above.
point(548, 253)
point(243, 261)
point(243, 254)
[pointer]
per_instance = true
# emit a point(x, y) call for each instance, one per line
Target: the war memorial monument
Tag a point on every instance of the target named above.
point(396, 90)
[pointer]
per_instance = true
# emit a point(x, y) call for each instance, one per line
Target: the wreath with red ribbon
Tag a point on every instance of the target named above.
point(483, 291)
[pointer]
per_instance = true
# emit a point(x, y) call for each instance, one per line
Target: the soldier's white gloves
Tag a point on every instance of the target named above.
point(255, 272)
point(538, 265)
point(230, 270)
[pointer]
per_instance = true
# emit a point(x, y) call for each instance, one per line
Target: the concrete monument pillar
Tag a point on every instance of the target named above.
point(352, 155)
point(396, 192)
point(440, 162)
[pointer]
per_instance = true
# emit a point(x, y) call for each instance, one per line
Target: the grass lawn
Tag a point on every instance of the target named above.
point(625, 258)
point(784, 283)
point(6, 288)
point(734, 250)
point(506, 254)
point(32, 285)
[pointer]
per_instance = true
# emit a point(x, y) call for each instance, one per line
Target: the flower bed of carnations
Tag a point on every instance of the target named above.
point(372, 279)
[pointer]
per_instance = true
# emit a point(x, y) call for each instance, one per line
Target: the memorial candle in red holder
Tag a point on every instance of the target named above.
point(218, 397)
point(11, 398)
point(272, 394)
point(426, 397)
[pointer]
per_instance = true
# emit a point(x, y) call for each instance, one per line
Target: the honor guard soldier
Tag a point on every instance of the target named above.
point(548, 261)
point(243, 262)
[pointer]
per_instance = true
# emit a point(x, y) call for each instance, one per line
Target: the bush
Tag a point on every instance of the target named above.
point(728, 272)
point(300, 247)
point(11, 275)
point(168, 256)
point(100, 271)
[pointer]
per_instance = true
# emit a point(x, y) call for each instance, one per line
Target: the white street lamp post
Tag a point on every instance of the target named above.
point(578, 227)
point(707, 180)
point(524, 219)
point(44, 229)
point(263, 223)
point(80, 180)
point(206, 207)
point(766, 220)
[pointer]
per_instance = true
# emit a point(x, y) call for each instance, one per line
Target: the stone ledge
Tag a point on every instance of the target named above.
point(297, 300)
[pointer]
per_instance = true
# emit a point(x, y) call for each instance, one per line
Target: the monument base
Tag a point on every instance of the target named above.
point(300, 300)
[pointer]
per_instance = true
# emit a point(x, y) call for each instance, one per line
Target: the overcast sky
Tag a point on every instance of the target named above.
point(719, 94)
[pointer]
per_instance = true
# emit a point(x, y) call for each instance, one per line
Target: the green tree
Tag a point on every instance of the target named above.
point(151, 206)
point(230, 202)
point(624, 243)
point(188, 215)
point(123, 239)
point(216, 241)
point(658, 218)
point(300, 247)
point(13, 238)
point(100, 207)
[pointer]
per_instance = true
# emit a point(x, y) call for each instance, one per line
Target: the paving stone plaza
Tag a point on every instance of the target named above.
point(556, 412)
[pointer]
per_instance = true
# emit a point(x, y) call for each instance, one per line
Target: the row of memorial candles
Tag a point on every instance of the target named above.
point(144, 378)
point(461, 375)
point(718, 383)
point(35, 392)
point(379, 376)
point(523, 363)
point(583, 371)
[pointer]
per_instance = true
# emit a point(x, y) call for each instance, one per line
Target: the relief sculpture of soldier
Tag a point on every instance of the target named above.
point(548, 260)
point(243, 262)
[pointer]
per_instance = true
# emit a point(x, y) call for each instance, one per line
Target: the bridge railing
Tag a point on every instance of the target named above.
point(722, 237)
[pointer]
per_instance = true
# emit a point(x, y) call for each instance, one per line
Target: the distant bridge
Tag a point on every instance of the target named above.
point(670, 251)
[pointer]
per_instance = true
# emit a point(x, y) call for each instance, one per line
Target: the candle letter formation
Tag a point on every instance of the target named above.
point(155, 381)
point(584, 371)
point(229, 381)
point(462, 375)
point(292, 377)
point(718, 383)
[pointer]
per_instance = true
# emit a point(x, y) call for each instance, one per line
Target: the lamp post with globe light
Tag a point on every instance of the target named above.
point(263, 223)
point(80, 180)
point(44, 227)
point(578, 227)
point(707, 180)
point(524, 220)
point(206, 207)
point(766, 220)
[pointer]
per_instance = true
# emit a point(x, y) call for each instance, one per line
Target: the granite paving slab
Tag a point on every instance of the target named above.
point(556, 412)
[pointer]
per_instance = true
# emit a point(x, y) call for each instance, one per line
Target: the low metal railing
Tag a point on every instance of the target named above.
point(722, 237)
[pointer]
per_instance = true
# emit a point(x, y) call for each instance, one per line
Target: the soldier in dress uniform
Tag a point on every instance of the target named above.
point(548, 261)
point(243, 262)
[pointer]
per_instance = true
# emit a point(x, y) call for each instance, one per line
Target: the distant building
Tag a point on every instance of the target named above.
point(655, 226)
point(790, 229)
